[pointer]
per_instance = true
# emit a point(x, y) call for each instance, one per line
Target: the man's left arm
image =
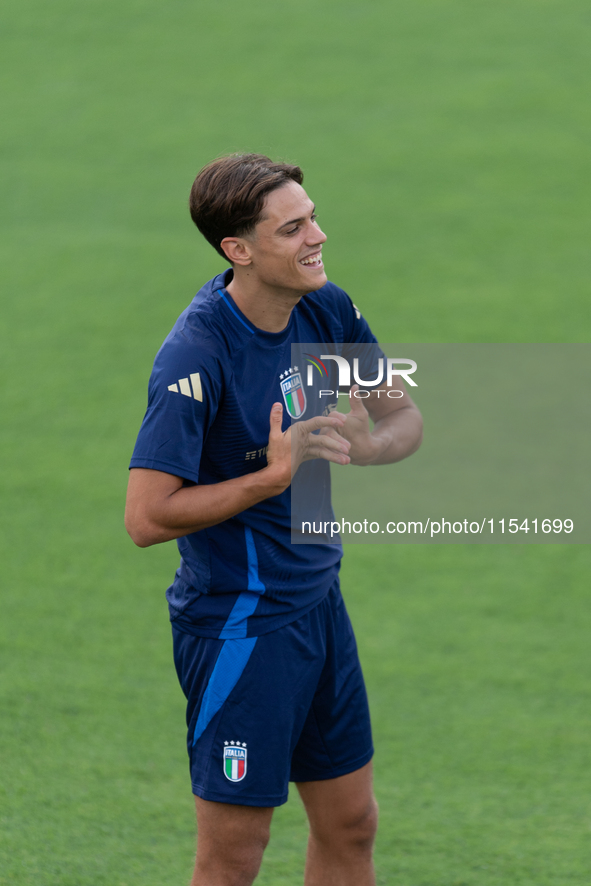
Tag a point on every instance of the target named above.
point(397, 431)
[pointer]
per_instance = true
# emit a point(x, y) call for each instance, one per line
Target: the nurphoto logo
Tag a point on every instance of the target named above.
point(388, 369)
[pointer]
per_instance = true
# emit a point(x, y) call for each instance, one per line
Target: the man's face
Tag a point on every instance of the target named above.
point(286, 244)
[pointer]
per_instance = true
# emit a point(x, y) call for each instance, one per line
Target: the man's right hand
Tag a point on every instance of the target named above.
point(288, 449)
point(160, 508)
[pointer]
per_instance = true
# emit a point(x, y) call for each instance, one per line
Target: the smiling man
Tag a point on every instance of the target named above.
point(263, 645)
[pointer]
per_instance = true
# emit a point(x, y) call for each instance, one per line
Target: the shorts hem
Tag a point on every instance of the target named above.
point(216, 797)
point(345, 769)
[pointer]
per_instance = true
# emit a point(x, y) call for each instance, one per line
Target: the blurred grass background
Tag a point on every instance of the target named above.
point(445, 143)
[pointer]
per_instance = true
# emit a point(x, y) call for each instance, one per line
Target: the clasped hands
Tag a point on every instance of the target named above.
point(342, 439)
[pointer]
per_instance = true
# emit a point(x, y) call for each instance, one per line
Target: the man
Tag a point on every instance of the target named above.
point(263, 646)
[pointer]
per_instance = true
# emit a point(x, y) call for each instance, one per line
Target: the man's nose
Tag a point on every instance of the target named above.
point(315, 235)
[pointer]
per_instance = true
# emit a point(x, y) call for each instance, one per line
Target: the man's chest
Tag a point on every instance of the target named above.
point(237, 440)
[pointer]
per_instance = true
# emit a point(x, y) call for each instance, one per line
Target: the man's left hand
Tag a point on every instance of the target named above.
point(396, 435)
point(365, 448)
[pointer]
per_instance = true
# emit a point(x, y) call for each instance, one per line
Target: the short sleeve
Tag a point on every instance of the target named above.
point(185, 389)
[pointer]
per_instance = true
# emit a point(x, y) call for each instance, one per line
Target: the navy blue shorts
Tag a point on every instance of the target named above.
point(286, 706)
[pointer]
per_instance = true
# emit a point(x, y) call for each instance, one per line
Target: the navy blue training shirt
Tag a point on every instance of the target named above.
point(214, 382)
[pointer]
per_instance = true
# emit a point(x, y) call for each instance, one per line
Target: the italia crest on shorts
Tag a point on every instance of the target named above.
point(293, 392)
point(234, 760)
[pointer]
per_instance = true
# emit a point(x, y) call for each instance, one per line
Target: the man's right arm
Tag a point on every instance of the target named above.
point(159, 508)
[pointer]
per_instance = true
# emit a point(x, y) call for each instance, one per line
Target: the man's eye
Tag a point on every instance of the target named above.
point(314, 216)
point(293, 230)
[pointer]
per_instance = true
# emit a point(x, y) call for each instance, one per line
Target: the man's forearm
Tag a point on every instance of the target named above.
point(159, 508)
point(187, 509)
point(394, 437)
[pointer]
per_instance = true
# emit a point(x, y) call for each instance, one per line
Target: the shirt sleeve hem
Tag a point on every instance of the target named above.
point(166, 467)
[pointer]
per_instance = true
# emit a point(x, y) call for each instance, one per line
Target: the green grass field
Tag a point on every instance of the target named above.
point(446, 145)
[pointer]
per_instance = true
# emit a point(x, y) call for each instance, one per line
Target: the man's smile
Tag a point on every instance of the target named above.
point(314, 261)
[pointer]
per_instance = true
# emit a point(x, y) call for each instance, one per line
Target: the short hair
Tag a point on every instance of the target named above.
point(228, 195)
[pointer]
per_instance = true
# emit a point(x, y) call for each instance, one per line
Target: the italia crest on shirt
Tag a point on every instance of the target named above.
point(293, 392)
point(234, 760)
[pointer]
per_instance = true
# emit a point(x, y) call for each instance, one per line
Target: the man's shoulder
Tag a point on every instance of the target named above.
point(329, 294)
point(199, 328)
point(201, 317)
point(335, 308)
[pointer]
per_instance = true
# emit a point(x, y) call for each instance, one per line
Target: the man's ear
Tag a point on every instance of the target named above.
point(237, 250)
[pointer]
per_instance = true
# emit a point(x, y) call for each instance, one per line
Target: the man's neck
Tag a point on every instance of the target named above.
point(267, 307)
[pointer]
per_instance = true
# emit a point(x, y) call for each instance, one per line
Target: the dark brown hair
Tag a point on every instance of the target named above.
point(228, 195)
